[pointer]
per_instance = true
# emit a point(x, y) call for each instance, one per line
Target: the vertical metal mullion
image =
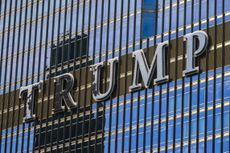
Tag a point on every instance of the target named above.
point(206, 81)
point(49, 88)
point(222, 78)
point(126, 71)
point(101, 31)
point(138, 92)
point(110, 123)
point(97, 109)
point(27, 69)
point(1, 70)
point(106, 73)
point(21, 78)
point(80, 70)
point(16, 74)
point(44, 75)
point(64, 36)
point(74, 71)
point(146, 90)
point(87, 68)
point(118, 79)
point(56, 69)
point(69, 46)
point(0, 9)
point(68, 52)
point(167, 85)
point(70, 35)
point(113, 53)
point(35, 41)
point(160, 86)
point(198, 89)
point(152, 113)
point(159, 120)
point(130, 122)
point(5, 76)
point(176, 77)
point(190, 87)
point(214, 80)
point(100, 60)
point(137, 124)
point(145, 105)
point(153, 89)
point(183, 81)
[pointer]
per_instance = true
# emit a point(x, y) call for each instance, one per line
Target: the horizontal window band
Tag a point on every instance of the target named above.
point(155, 121)
point(219, 45)
point(84, 96)
point(149, 95)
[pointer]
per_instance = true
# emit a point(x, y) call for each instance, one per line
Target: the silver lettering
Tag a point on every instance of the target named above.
point(96, 69)
point(141, 66)
point(194, 50)
point(30, 92)
point(63, 85)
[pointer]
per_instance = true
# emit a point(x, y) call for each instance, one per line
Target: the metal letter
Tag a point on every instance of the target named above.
point(141, 65)
point(30, 92)
point(196, 44)
point(96, 69)
point(63, 85)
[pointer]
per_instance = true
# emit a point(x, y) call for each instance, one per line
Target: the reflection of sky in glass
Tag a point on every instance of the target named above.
point(23, 141)
point(146, 108)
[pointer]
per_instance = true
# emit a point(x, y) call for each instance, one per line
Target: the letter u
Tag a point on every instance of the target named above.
point(96, 69)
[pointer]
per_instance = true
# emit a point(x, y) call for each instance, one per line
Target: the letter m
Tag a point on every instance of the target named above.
point(158, 65)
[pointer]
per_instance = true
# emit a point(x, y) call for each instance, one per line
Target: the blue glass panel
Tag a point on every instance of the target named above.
point(148, 24)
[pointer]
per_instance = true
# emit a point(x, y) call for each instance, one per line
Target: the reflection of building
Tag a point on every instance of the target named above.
point(66, 128)
point(64, 54)
point(61, 132)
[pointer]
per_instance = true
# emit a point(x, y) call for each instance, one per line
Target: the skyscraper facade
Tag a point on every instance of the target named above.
point(114, 76)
